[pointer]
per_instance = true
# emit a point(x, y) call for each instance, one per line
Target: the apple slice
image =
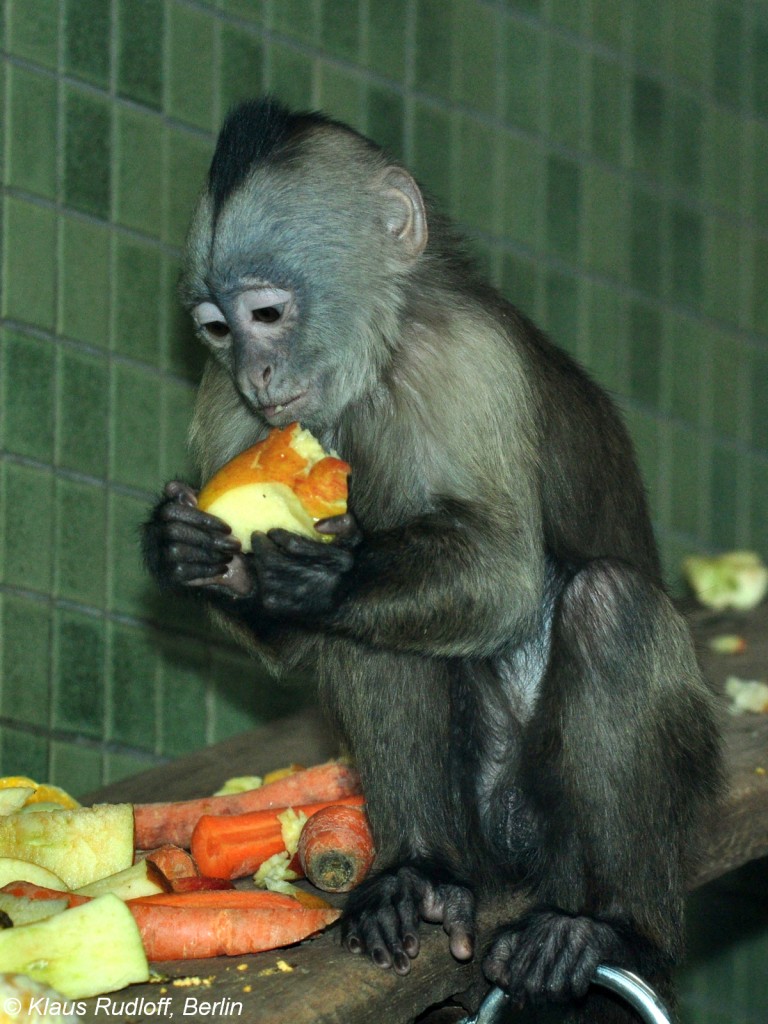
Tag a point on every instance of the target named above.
point(79, 845)
point(140, 879)
point(13, 869)
point(285, 481)
point(81, 952)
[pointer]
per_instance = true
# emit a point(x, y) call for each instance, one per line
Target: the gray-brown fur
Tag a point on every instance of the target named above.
point(489, 633)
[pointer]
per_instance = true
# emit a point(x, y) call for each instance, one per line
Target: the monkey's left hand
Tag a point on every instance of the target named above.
point(300, 578)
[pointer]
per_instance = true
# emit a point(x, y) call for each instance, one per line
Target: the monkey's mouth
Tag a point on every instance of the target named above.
point(269, 412)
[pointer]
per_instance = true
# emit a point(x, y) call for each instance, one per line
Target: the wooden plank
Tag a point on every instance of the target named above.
point(324, 984)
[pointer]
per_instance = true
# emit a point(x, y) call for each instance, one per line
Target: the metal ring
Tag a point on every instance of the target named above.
point(637, 993)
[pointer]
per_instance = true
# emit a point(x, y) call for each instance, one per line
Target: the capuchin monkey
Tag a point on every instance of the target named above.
point(488, 628)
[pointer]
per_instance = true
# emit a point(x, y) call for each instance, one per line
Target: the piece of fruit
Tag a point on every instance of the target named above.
point(24, 1001)
point(737, 579)
point(40, 792)
point(85, 951)
point(143, 878)
point(79, 845)
point(23, 910)
point(285, 481)
point(14, 869)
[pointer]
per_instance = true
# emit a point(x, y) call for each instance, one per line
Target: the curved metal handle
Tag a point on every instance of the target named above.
point(638, 994)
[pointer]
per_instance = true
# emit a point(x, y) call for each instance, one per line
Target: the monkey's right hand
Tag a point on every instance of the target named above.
point(382, 916)
point(184, 547)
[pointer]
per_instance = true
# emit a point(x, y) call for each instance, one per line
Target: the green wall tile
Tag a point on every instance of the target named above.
point(26, 660)
point(139, 171)
point(649, 30)
point(759, 54)
point(28, 526)
point(124, 765)
point(608, 23)
point(685, 499)
point(519, 281)
point(79, 696)
point(648, 114)
point(33, 30)
point(474, 192)
point(607, 222)
point(730, 413)
point(83, 434)
point(722, 158)
point(297, 18)
point(178, 399)
point(645, 355)
point(646, 266)
point(187, 167)
point(759, 175)
point(28, 400)
point(138, 289)
point(133, 715)
point(759, 307)
point(561, 320)
point(183, 673)
point(431, 150)
point(28, 263)
point(566, 99)
point(131, 591)
point(340, 28)
point(80, 542)
point(189, 93)
point(75, 767)
point(241, 68)
point(135, 457)
point(523, 100)
point(607, 326)
point(686, 255)
point(475, 73)
point(342, 94)
point(686, 121)
point(183, 353)
point(387, 37)
point(141, 38)
point(23, 753)
point(236, 696)
point(31, 137)
point(690, 44)
point(85, 282)
point(724, 497)
point(727, 55)
point(689, 343)
point(722, 270)
point(290, 77)
point(523, 188)
point(386, 118)
point(609, 101)
point(434, 46)
point(86, 40)
point(87, 153)
point(563, 228)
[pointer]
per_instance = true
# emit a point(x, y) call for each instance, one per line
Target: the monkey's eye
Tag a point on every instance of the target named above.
point(211, 321)
point(268, 314)
point(216, 328)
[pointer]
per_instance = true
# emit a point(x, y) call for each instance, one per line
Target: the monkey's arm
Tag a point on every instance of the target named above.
point(456, 582)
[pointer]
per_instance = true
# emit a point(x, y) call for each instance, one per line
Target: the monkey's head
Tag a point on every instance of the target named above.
point(296, 259)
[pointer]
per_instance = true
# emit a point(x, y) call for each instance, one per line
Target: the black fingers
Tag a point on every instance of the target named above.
point(552, 956)
point(382, 917)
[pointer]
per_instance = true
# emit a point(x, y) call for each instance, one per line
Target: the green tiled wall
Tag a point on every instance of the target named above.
point(608, 158)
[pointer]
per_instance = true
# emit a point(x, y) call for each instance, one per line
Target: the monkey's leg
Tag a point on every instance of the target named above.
point(393, 711)
point(619, 751)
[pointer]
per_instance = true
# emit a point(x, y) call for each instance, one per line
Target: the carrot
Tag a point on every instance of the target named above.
point(336, 848)
point(199, 883)
point(172, 861)
point(160, 823)
point(233, 846)
point(191, 925)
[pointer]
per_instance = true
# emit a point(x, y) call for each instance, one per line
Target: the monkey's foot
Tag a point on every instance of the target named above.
point(551, 956)
point(382, 917)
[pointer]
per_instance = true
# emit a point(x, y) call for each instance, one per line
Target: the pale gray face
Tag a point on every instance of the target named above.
point(293, 282)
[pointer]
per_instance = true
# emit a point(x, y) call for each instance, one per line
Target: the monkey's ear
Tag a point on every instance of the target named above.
point(405, 217)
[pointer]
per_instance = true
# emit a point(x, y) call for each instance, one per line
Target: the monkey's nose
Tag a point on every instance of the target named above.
point(266, 375)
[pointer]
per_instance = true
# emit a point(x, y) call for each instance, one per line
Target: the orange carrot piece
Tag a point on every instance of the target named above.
point(233, 846)
point(41, 892)
point(172, 861)
point(160, 823)
point(336, 848)
point(237, 923)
